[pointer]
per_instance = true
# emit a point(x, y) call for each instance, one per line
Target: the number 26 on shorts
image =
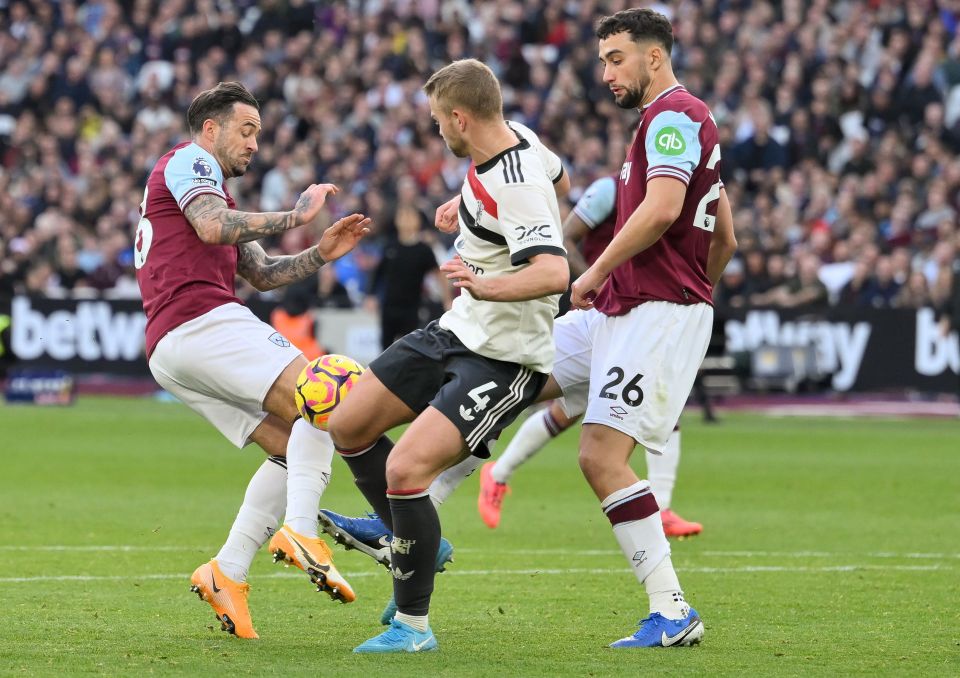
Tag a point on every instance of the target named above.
point(631, 393)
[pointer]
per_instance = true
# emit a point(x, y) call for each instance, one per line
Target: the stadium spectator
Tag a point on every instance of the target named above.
point(847, 120)
point(397, 287)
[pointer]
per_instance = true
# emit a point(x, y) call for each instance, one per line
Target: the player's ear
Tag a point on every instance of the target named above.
point(655, 57)
point(209, 129)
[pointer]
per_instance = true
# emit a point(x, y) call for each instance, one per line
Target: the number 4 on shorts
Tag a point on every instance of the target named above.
point(479, 400)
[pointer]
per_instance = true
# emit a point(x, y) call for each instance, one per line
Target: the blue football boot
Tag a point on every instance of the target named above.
point(658, 631)
point(399, 638)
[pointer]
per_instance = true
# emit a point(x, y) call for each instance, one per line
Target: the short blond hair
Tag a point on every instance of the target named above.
point(467, 84)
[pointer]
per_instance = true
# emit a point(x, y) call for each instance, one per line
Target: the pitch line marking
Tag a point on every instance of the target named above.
point(82, 548)
point(533, 572)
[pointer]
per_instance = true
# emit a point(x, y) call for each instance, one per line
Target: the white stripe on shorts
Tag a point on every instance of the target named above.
point(494, 413)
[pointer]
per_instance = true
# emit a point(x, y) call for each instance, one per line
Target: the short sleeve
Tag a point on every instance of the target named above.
point(672, 145)
point(597, 202)
point(528, 224)
point(552, 164)
point(193, 171)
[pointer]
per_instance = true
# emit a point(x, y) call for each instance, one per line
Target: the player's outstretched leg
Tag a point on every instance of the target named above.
point(313, 556)
point(662, 473)
point(227, 597)
point(222, 581)
point(370, 536)
point(539, 429)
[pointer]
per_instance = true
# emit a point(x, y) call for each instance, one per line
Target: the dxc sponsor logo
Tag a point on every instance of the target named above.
point(839, 345)
point(94, 331)
point(525, 232)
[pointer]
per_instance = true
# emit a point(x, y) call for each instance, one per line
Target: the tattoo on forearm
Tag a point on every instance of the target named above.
point(266, 273)
point(210, 213)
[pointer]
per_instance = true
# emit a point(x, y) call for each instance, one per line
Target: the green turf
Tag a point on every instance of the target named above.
point(832, 547)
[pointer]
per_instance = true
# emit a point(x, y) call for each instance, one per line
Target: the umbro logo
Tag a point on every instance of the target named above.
point(617, 412)
point(639, 557)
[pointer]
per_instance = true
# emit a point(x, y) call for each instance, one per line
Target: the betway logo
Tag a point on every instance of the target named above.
point(840, 346)
point(935, 353)
point(94, 331)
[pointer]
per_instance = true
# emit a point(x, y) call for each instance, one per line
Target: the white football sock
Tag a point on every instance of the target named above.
point(529, 439)
point(662, 470)
point(445, 483)
point(309, 455)
point(663, 587)
point(257, 519)
point(646, 548)
point(419, 623)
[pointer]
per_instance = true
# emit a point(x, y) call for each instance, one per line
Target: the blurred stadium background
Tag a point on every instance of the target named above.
point(840, 126)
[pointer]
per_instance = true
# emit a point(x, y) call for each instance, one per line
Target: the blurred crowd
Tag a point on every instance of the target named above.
point(839, 122)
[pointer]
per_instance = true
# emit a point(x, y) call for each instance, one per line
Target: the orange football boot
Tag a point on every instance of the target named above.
point(675, 526)
point(491, 496)
point(313, 556)
point(228, 599)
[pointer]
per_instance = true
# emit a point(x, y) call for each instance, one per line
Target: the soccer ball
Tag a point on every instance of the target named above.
point(322, 384)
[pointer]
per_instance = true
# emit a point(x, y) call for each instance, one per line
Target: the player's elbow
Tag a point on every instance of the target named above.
point(556, 273)
point(729, 243)
point(208, 232)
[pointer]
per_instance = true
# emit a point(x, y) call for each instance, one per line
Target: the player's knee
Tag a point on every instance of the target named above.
point(591, 464)
point(343, 432)
point(400, 474)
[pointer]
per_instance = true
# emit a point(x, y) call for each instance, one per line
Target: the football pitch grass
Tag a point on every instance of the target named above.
point(831, 547)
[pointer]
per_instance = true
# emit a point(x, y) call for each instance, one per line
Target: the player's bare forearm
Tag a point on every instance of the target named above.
point(547, 274)
point(562, 186)
point(217, 224)
point(266, 273)
point(574, 230)
point(723, 244)
point(659, 209)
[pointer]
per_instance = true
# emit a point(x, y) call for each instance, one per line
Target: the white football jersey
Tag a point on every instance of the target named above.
point(509, 213)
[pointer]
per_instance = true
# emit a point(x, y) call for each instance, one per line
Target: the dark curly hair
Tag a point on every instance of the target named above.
point(641, 24)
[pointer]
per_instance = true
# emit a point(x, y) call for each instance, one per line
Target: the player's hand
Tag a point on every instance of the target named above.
point(446, 217)
point(585, 288)
point(461, 277)
point(311, 201)
point(343, 236)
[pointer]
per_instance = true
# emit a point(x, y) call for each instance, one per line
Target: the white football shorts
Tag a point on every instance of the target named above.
point(221, 365)
point(633, 372)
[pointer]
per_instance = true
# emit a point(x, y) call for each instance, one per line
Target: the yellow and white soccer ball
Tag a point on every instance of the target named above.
point(323, 384)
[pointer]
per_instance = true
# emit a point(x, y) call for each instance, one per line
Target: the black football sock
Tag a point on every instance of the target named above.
point(369, 468)
point(413, 551)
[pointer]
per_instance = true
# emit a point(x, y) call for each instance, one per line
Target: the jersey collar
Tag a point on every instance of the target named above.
point(492, 162)
point(669, 90)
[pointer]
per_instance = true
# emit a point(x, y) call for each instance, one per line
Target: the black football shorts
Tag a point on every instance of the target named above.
point(481, 396)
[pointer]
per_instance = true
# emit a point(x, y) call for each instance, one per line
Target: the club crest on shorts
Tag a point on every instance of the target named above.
point(279, 340)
